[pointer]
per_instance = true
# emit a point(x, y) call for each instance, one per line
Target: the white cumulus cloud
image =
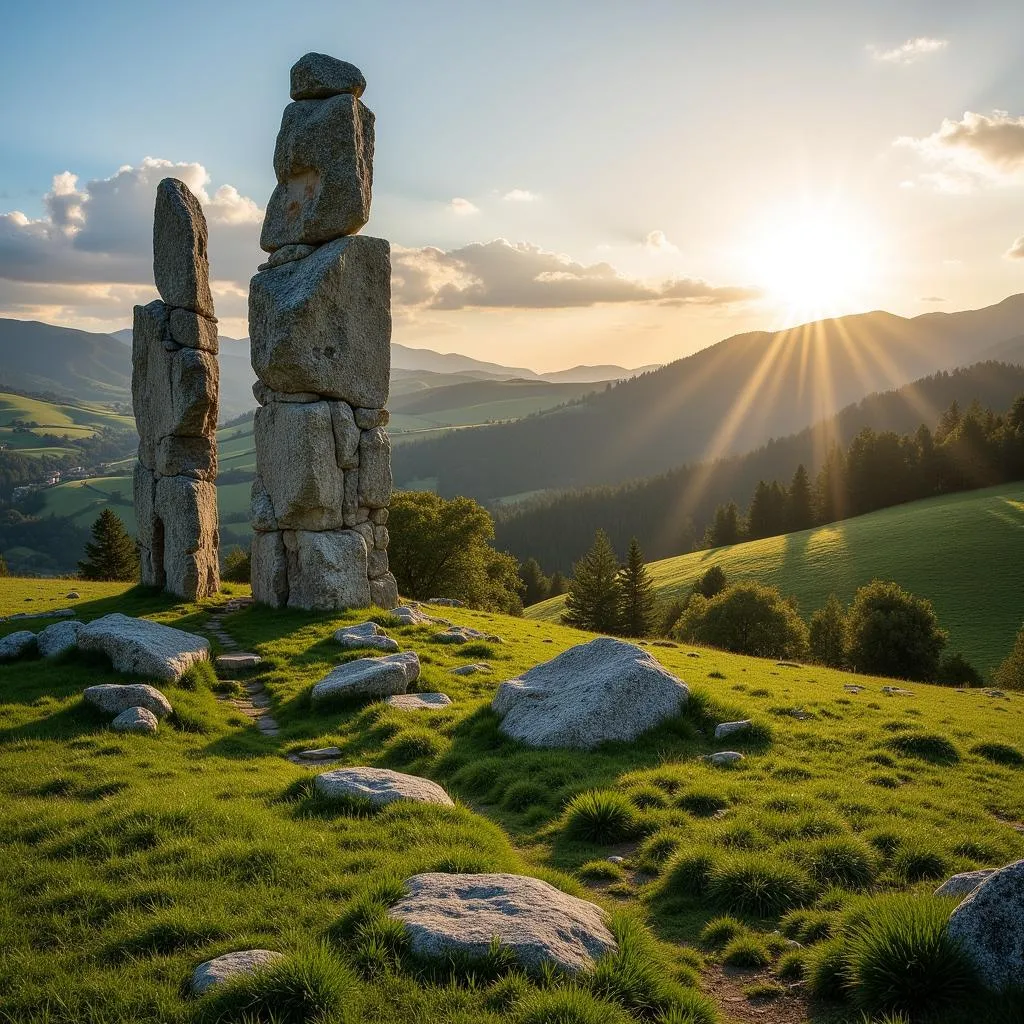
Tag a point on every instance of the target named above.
point(520, 195)
point(1016, 251)
point(463, 207)
point(909, 52)
point(657, 242)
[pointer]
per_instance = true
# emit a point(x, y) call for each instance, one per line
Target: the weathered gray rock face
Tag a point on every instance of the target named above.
point(175, 385)
point(729, 728)
point(229, 966)
point(58, 639)
point(15, 645)
point(180, 262)
point(964, 883)
point(324, 166)
point(989, 925)
point(320, 330)
point(142, 647)
point(604, 690)
point(368, 635)
point(541, 925)
point(419, 701)
point(316, 76)
point(136, 720)
point(323, 324)
point(412, 616)
point(368, 677)
point(379, 786)
point(115, 698)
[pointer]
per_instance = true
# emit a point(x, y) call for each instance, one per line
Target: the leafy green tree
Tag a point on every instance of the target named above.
point(800, 506)
point(747, 618)
point(713, 582)
point(956, 670)
point(593, 600)
point(111, 554)
point(536, 586)
point(670, 615)
point(558, 584)
point(442, 548)
point(827, 633)
point(893, 633)
point(1010, 674)
point(636, 616)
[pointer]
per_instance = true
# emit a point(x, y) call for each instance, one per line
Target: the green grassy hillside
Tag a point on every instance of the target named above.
point(964, 552)
point(74, 420)
point(127, 860)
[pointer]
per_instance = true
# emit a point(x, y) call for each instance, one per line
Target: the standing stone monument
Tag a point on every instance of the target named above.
point(320, 329)
point(175, 397)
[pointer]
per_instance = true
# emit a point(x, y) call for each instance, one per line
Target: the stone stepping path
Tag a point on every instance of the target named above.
point(255, 705)
point(313, 758)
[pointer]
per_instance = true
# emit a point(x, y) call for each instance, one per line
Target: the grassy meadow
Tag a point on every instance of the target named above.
point(127, 860)
point(964, 552)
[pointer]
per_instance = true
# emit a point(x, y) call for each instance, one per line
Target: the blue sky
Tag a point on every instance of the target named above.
point(700, 169)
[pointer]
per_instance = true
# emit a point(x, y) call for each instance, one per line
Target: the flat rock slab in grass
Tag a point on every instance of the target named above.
point(471, 670)
point(989, 926)
point(379, 786)
point(419, 701)
point(369, 677)
point(113, 698)
point(728, 728)
point(238, 662)
point(723, 757)
point(464, 635)
point(603, 690)
point(320, 754)
point(963, 884)
point(231, 965)
point(15, 645)
point(143, 647)
point(541, 925)
point(897, 691)
point(412, 616)
point(58, 639)
point(368, 635)
point(135, 720)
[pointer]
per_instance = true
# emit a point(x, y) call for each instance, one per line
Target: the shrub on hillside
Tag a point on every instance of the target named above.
point(893, 633)
point(1010, 674)
point(747, 618)
point(237, 565)
point(956, 670)
point(712, 583)
point(601, 816)
point(827, 633)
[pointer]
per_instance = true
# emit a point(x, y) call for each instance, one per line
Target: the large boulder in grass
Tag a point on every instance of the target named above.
point(14, 645)
point(58, 639)
point(989, 927)
point(603, 690)
point(114, 698)
point(540, 925)
point(230, 966)
point(379, 786)
point(369, 677)
point(142, 647)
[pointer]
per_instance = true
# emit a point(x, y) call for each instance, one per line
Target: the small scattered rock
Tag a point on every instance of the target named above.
point(58, 638)
point(853, 688)
point(464, 635)
point(113, 698)
point(897, 691)
point(419, 701)
point(447, 602)
point(964, 883)
point(366, 634)
point(411, 616)
point(369, 677)
point(379, 786)
point(728, 728)
point(238, 662)
point(135, 720)
point(229, 966)
point(692, 654)
point(15, 645)
point(320, 754)
point(446, 914)
point(615, 859)
point(72, 595)
point(788, 664)
point(471, 670)
point(723, 757)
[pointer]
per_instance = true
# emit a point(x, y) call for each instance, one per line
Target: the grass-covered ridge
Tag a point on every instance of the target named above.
point(128, 860)
point(964, 552)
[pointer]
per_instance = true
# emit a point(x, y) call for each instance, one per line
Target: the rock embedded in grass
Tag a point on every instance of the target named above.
point(58, 639)
point(16, 645)
point(135, 720)
point(471, 670)
point(965, 883)
point(449, 915)
point(592, 693)
point(728, 728)
point(379, 786)
point(113, 698)
point(320, 754)
point(238, 662)
point(419, 701)
point(230, 966)
point(368, 635)
point(369, 677)
point(463, 635)
point(411, 616)
point(989, 927)
point(142, 647)
point(723, 757)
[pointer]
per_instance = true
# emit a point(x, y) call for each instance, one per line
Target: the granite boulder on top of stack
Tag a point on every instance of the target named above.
point(320, 331)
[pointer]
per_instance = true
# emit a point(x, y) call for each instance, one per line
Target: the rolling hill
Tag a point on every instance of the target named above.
point(964, 552)
point(57, 419)
point(723, 400)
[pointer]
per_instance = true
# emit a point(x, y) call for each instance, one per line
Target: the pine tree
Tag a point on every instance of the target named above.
point(637, 594)
point(537, 587)
point(557, 585)
point(111, 554)
point(4, 569)
point(726, 528)
point(593, 598)
point(800, 511)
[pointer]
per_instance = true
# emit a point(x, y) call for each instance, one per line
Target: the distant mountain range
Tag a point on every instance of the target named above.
point(726, 399)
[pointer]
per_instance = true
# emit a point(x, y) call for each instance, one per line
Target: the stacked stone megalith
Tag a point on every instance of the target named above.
point(175, 392)
point(320, 331)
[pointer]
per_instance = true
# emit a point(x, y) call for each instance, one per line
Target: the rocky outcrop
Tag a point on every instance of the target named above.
point(378, 786)
point(368, 677)
point(320, 334)
point(963, 884)
point(230, 966)
point(142, 647)
point(446, 915)
point(175, 387)
point(989, 927)
point(365, 635)
point(115, 698)
point(590, 694)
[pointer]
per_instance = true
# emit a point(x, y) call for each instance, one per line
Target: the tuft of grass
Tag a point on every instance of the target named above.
point(825, 970)
point(200, 675)
point(572, 1005)
point(792, 966)
point(999, 753)
point(601, 816)
point(477, 649)
point(600, 871)
point(758, 884)
point(918, 862)
point(721, 930)
point(807, 926)
point(764, 991)
point(702, 802)
point(644, 797)
point(926, 746)
point(746, 951)
point(688, 873)
point(838, 860)
point(525, 793)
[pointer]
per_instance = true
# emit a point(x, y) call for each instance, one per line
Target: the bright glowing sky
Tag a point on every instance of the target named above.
point(567, 182)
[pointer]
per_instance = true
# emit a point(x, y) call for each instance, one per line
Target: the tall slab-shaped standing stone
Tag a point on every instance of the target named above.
point(181, 265)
